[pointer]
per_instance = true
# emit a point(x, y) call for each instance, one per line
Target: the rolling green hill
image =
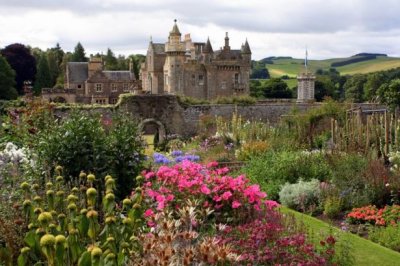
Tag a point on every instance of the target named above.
point(291, 67)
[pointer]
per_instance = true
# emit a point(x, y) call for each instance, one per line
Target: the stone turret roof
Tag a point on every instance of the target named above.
point(208, 48)
point(246, 48)
point(125, 75)
point(228, 54)
point(175, 30)
point(77, 72)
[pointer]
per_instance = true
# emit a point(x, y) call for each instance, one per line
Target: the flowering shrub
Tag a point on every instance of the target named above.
point(371, 214)
point(266, 241)
point(229, 197)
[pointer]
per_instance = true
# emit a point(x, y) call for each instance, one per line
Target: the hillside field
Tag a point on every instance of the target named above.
point(291, 67)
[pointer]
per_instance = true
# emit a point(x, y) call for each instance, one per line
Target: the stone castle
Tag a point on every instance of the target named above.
point(194, 69)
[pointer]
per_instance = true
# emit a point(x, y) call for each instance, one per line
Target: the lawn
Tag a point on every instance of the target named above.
point(365, 251)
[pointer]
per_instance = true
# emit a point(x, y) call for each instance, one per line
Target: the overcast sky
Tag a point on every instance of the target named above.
point(329, 28)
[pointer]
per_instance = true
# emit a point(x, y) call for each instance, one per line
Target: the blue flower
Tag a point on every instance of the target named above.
point(176, 153)
point(160, 159)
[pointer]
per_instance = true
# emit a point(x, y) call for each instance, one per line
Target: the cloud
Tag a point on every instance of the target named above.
point(329, 28)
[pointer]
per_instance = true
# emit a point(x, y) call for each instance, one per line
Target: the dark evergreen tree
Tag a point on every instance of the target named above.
point(111, 62)
point(79, 54)
point(54, 67)
point(22, 61)
point(7, 81)
point(43, 77)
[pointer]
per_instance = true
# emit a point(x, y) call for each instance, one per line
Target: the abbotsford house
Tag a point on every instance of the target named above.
point(177, 67)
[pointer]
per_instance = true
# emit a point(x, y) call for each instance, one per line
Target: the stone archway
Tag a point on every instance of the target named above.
point(153, 126)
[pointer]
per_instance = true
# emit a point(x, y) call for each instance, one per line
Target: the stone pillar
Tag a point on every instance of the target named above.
point(305, 87)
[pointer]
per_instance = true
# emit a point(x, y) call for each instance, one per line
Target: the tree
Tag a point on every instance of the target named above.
point(23, 63)
point(54, 67)
point(389, 93)
point(7, 81)
point(136, 61)
point(324, 87)
point(374, 81)
point(354, 88)
point(111, 62)
point(276, 88)
point(79, 54)
point(43, 77)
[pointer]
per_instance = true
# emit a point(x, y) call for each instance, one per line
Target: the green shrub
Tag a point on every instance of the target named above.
point(332, 206)
point(386, 236)
point(82, 143)
point(302, 196)
point(273, 169)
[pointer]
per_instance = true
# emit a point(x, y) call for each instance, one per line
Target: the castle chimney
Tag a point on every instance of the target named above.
point(226, 47)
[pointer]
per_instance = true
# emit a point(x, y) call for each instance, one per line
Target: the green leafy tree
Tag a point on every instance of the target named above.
point(43, 76)
point(389, 93)
point(276, 88)
point(54, 68)
point(79, 54)
point(7, 81)
point(22, 61)
point(354, 88)
point(324, 87)
point(374, 81)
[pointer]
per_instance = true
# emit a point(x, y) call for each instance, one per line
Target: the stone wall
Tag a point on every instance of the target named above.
point(184, 119)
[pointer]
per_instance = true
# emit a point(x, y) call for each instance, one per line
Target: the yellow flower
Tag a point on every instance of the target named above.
point(45, 217)
point(60, 239)
point(127, 202)
point(96, 252)
point(47, 240)
point(91, 192)
point(25, 186)
point(92, 213)
point(91, 177)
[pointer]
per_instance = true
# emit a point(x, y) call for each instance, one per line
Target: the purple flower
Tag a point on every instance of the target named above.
point(176, 153)
point(160, 159)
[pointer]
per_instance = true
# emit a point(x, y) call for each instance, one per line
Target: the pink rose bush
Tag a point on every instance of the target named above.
point(234, 197)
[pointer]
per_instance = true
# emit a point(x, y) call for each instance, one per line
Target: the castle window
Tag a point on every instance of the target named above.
point(223, 85)
point(113, 87)
point(126, 87)
point(79, 86)
point(99, 87)
point(237, 78)
point(201, 80)
point(113, 100)
point(100, 101)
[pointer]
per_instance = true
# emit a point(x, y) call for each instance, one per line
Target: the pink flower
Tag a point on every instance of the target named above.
point(236, 204)
point(226, 195)
point(205, 190)
point(148, 213)
point(271, 204)
point(149, 175)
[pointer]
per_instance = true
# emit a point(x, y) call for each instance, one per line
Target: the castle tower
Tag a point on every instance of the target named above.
point(175, 51)
point(246, 52)
point(305, 84)
point(208, 51)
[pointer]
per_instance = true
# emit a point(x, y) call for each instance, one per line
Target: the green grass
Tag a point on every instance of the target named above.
point(365, 252)
point(292, 67)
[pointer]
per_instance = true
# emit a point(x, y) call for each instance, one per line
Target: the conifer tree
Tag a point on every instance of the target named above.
point(79, 54)
point(7, 81)
point(43, 77)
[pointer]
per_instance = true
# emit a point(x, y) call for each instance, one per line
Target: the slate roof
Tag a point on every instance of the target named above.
point(120, 75)
point(77, 71)
point(228, 55)
point(159, 48)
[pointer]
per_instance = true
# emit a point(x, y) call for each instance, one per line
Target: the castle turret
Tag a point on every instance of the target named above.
point(246, 52)
point(227, 47)
point(175, 51)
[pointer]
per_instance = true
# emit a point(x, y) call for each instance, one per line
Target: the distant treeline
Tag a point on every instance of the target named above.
point(356, 58)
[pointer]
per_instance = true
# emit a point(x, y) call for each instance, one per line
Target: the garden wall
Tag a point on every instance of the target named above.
point(183, 119)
